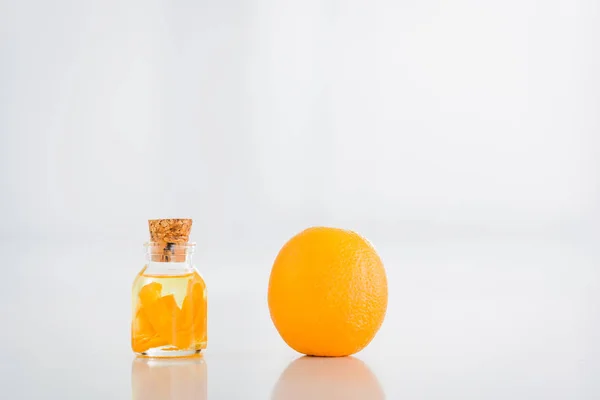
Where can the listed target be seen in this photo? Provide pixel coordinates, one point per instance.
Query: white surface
(459, 136)
(468, 319)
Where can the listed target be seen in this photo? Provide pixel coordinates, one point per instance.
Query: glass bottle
(169, 296)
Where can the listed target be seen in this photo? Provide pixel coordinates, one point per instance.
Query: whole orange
(327, 292)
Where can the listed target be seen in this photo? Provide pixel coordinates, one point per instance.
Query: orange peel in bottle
(169, 295)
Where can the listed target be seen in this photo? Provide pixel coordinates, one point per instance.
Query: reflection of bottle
(318, 378)
(169, 295)
(169, 379)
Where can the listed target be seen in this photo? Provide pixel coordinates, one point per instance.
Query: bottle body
(169, 307)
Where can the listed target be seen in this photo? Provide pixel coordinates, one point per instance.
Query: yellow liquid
(169, 314)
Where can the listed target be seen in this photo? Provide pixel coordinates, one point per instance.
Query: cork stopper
(173, 230)
(169, 239)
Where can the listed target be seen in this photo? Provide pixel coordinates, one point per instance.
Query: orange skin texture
(327, 292)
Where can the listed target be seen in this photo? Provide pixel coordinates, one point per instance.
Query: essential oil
(169, 295)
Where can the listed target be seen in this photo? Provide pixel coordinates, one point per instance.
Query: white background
(460, 137)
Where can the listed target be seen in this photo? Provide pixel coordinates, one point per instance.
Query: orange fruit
(327, 292)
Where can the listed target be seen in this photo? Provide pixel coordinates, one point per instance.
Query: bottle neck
(169, 258)
(170, 252)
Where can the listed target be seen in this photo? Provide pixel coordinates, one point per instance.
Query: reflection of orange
(327, 292)
(317, 378)
(169, 379)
